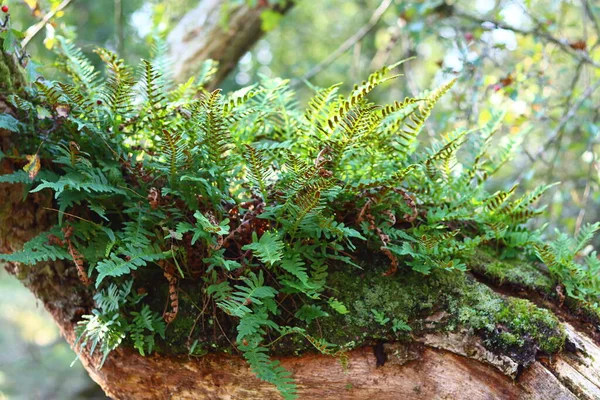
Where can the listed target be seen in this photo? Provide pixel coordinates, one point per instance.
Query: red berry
(99, 102)
(468, 36)
(4, 9)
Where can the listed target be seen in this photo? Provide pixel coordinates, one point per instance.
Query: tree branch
(200, 36)
(351, 41)
(558, 130)
(34, 30)
(562, 43)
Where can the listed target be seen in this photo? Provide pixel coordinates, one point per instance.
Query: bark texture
(201, 35)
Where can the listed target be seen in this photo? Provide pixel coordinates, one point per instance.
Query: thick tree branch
(200, 36)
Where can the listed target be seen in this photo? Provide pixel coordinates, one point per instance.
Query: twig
(38, 27)
(568, 102)
(557, 131)
(383, 54)
(586, 197)
(595, 21)
(563, 44)
(351, 41)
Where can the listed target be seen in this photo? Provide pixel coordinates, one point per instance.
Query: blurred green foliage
(34, 359)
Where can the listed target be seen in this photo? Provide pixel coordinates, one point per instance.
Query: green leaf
(123, 261)
(269, 249)
(308, 313)
(10, 123)
(269, 20)
(337, 306)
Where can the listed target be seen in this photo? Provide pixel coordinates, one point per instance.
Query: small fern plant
(250, 198)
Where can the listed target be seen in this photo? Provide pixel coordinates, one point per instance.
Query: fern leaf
(259, 172)
(270, 371)
(269, 249)
(130, 259)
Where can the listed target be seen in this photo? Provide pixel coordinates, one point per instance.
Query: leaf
(10, 123)
(269, 20)
(269, 249)
(293, 264)
(308, 313)
(337, 306)
(129, 259)
(33, 165)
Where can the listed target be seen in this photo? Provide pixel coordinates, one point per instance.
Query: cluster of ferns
(255, 199)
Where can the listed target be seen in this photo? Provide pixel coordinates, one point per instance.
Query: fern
(269, 248)
(247, 196)
(125, 260)
(237, 305)
(37, 250)
(270, 371)
(259, 173)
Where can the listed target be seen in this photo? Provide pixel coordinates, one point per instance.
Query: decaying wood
(412, 371)
(201, 35)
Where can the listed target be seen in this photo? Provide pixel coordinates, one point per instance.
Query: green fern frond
(116, 93)
(37, 250)
(124, 260)
(585, 235)
(316, 111)
(269, 248)
(270, 371)
(238, 303)
(173, 149)
(78, 66)
(258, 171)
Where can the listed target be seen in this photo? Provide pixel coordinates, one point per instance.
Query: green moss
(521, 274)
(442, 301)
(11, 74)
(515, 272)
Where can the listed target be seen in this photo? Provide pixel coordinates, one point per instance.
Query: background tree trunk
(202, 34)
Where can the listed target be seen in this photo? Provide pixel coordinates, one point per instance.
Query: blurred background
(537, 60)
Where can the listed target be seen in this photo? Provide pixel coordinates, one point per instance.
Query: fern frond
(37, 250)
(237, 304)
(173, 148)
(258, 171)
(123, 261)
(585, 235)
(269, 248)
(418, 118)
(316, 111)
(117, 91)
(78, 66)
(270, 371)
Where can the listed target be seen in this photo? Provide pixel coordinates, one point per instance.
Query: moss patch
(523, 275)
(388, 309)
(518, 273)
(442, 301)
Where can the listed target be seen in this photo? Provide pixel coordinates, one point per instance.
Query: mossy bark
(469, 339)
